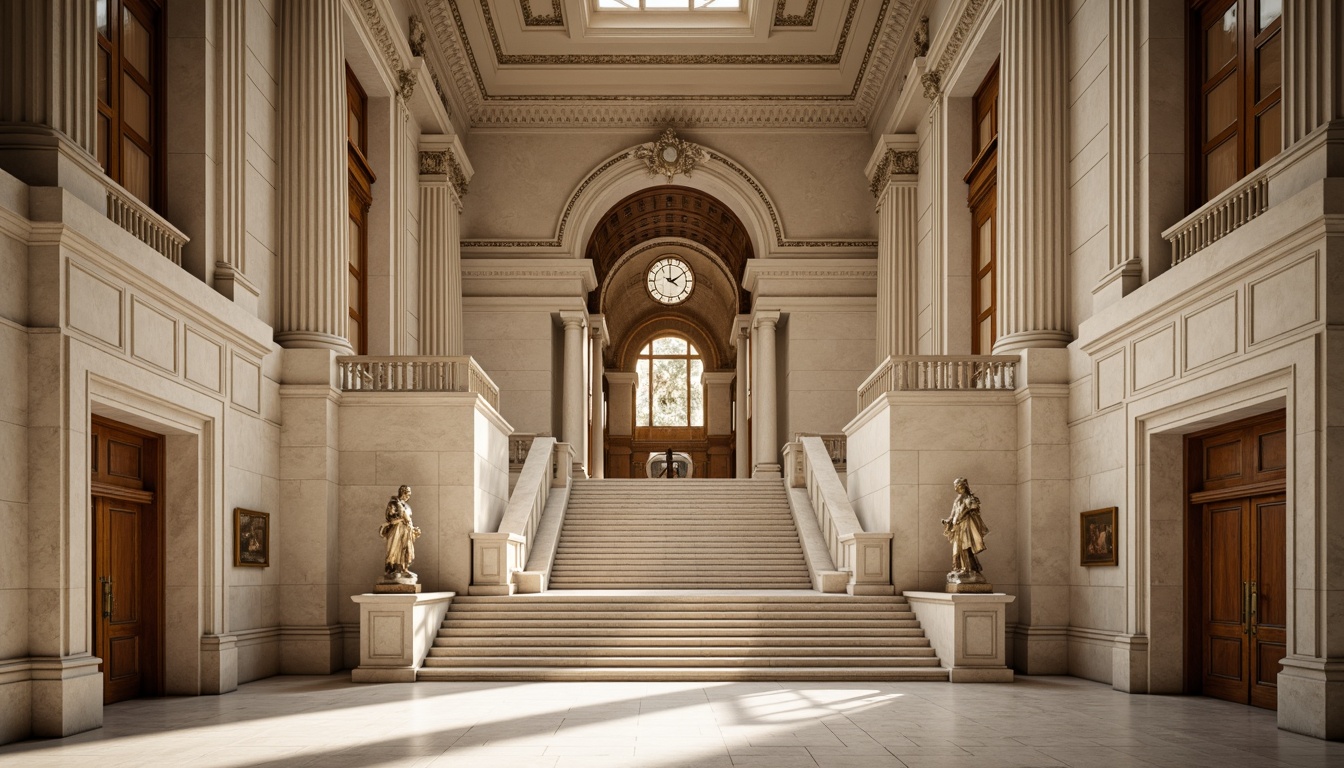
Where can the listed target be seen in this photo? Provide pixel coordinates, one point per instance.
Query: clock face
(670, 280)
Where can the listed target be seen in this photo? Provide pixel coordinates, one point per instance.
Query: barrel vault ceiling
(564, 63)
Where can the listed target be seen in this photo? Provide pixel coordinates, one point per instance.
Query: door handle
(109, 601)
(1255, 607)
(1245, 607)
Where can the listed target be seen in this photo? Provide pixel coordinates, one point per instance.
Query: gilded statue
(966, 531)
(400, 533)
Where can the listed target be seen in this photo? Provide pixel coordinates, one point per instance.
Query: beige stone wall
(524, 179)
(826, 352)
(263, 152)
(517, 346)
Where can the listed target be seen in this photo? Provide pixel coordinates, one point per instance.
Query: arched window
(669, 393)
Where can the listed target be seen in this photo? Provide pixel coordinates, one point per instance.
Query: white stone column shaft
(767, 456)
(440, 260)
(1313, 58)
(741, 426)
(574, 387)
(314, 186)
(597, 335)
(1032, 294)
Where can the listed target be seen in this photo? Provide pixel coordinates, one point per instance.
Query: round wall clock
(670, 280)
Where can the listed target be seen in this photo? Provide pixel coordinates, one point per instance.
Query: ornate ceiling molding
(851, 110)
(373, 18)
(932, 80)
(555, 18)
(734, 168)
(785, 19)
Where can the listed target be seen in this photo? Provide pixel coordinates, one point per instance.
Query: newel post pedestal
(396, 632)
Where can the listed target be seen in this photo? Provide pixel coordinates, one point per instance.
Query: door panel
(1224, 601)
(1269, 610)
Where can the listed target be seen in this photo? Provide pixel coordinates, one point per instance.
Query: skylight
(669, 5)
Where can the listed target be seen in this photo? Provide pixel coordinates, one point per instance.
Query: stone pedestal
(395, 634)
(967, 632)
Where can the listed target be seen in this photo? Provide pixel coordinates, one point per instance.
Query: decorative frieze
(555, 18)
(785, 19)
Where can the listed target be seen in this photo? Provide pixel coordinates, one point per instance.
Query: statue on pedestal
(965, 529)
(400, 533)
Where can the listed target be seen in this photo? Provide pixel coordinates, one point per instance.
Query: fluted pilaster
(741, 335)
(1123, 270)
(440, 259)
(314, 308)
(893, 178)
(1313, 86)
(573, 421)
(49, 48)
(767, 443)
(1032, 294)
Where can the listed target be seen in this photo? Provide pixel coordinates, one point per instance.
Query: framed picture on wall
(251, 538)
(1098, 530)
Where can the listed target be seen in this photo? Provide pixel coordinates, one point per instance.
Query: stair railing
(865, 556)
(496, 556)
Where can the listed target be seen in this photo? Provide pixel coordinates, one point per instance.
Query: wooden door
(1244, 612)
(126, 586)
(1237, 579)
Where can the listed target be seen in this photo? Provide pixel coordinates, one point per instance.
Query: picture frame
(251, 538)
(1098, 533)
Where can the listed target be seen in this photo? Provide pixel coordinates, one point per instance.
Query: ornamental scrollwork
(932, 83)
(406, 81)
(418, 37)
(669, 155)
(922, 37)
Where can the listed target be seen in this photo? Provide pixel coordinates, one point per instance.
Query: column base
(43, 157)
(219, 664)
(314, 340)
(1117, 284)
(234, 285)
(767, 471)
(1010, 344)
(1311, 697)
(67, 696)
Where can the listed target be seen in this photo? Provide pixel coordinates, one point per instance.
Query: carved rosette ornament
(417, 36)
(670, 155)
(894, 163)
(933, 84)
(405, 84)
(442, 163)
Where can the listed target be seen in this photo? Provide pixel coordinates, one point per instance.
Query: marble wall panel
(1210, 333)
(153, 336)
(1284, 301)
(203, 361)
(1154, 358)
(94, 306)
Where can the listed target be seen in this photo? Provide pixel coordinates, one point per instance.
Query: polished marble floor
(329, 722)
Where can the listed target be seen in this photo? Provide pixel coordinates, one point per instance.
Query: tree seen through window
(669, 393)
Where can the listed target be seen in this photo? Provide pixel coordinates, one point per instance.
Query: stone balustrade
(127, 212)
(939, 372)
(835, 446)
(520, 444)
(865, 556)
(1217, 218)
(498, 556)
(404, 373)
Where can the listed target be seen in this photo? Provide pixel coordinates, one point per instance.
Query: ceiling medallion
(670, 155)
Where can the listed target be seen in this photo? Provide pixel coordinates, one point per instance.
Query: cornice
(851, 110)
(932, 80)
(377, 26)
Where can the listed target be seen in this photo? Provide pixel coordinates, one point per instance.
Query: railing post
(562, 465)
(795, 470)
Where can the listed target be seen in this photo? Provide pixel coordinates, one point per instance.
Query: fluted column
(767, 453)
(1032, 296)
(1124, 269)
(574, 387)
(742, 429)
(440, 251)
(1313, 89)
(893, 178)
(598, 340)
(314, 308)
(49, 61)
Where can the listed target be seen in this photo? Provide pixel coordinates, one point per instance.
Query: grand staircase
(679, 534)
(680, 580)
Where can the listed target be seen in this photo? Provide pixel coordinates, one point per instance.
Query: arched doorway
(669, 262)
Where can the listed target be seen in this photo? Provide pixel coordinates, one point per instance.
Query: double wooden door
(1238, 551)
(127, 569)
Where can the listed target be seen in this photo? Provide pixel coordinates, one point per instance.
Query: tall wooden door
(1238, 550)
(127, 569)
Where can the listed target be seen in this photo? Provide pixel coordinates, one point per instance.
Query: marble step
(586, 634)
(726, 597)
(689, 673)
(683, 661)
(520, 604)
(661, 640)
(661, 624)
(680, 651)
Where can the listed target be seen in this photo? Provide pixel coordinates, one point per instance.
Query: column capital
(741, 330)
(597, 330)
(443, 159)
(765, 318)
(718, 378)
(617, 378)
(572, 318)
(895, 159)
